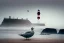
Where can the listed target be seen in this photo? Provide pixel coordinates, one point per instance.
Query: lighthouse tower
(38, 20)
(38, 16)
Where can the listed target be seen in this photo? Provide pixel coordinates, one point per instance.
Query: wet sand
(31, 41)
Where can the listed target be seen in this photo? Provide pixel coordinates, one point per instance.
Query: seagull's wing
(28, 32)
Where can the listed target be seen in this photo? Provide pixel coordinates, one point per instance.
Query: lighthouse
(38, 16)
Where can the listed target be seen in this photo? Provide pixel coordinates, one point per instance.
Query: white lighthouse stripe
(38, 15)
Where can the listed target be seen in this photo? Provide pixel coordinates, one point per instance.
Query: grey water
(13, 32)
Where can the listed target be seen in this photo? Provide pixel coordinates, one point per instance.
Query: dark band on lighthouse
(38, 14)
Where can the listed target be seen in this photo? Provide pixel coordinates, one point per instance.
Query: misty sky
(52, 11)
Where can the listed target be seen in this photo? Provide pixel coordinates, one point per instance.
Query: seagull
(28, 34)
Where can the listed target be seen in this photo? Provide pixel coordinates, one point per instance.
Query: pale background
(52, 11)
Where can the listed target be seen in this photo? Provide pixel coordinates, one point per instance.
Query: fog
(52, 11)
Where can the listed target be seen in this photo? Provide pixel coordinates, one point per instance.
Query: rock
(48, 31)
(61, 31)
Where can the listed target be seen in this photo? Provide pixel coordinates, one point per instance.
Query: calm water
(9, 32)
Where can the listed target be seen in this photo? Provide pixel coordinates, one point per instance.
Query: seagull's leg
(26, 38)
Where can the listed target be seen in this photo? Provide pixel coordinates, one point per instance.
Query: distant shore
(31, 41)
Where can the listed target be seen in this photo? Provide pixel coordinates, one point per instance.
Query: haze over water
(52, 11)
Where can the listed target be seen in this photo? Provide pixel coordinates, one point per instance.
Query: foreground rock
(61, 31)
(48, 31)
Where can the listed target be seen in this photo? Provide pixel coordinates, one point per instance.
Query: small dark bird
(28, 34)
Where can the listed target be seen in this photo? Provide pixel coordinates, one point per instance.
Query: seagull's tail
(21, 34)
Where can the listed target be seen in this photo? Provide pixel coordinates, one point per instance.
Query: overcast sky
(52, 11)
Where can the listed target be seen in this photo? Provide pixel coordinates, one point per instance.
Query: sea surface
(13, 33)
